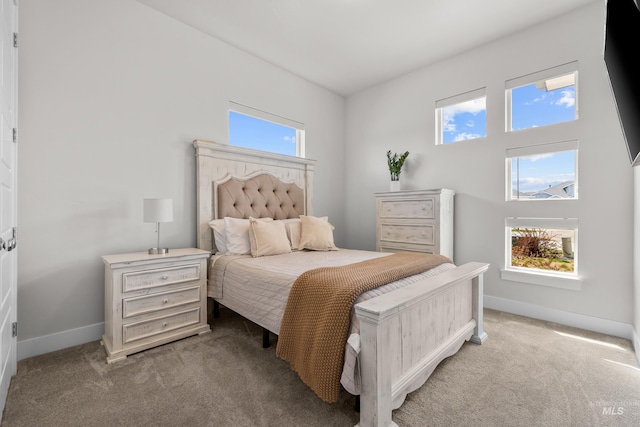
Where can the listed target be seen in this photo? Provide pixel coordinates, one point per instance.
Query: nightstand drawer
(160, 301)
(408, 209)
(159, 277)
(159, 325)
(408, 233)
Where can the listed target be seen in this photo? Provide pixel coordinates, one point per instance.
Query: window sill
(544, 279)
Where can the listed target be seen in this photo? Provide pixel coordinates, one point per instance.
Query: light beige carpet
(528, 373)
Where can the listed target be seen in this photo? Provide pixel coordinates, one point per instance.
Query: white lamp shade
(158, 210)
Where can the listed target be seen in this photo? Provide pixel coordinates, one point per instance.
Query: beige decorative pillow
(294, 228)
(268, 238)
(316, 234)
(237, 233)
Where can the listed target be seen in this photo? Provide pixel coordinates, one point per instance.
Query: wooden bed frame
(404, 334)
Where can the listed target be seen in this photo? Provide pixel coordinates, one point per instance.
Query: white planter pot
(394, 186)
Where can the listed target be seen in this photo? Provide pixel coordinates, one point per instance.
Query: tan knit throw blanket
(317, 317)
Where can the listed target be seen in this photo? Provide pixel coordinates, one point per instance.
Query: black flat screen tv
(622, 59)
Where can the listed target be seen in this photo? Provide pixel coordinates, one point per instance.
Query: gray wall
(112, 93)
(399, 116)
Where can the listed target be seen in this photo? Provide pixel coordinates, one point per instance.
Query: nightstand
(151, 300)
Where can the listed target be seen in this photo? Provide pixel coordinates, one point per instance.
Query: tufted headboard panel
(241, 182)
(259, 197)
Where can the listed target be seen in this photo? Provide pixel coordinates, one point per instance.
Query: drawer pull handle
(164, 324)
(164, 301)
(165, 277)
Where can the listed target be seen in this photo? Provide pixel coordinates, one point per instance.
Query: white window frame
(553, 147)
(548, 74)
(274, 118)
(447, 102)
(554, 279)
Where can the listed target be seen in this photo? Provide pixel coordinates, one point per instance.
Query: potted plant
(395, 163)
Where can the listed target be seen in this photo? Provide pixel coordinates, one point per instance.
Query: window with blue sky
(543, 103)
(461, 117)
(543, 98)
(259, 130)
(542, 172)
(544, 249)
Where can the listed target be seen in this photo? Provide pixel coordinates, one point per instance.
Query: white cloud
(449, 113)
(536, 157)
(568, 99)
(464, 136)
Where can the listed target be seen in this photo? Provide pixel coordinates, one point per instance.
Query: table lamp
(158, 210)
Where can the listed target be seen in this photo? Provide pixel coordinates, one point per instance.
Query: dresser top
(415, 192)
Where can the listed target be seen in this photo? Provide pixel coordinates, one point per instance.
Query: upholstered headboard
(259, 196)
(241, 182)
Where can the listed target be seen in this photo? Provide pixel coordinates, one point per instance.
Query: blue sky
(247, 131)
(544, 170)
(467, 120)
(532, 107)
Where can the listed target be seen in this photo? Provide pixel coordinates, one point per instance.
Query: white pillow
(237, 233)
(219, 236)
(268, 238)
(316, 234)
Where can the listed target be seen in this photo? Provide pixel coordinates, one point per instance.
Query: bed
(398, 332)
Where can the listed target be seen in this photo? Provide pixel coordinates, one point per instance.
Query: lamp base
(158, 251)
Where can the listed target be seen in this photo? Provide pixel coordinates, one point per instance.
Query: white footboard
(405, 334)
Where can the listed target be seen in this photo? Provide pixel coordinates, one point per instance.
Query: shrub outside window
(543, 246)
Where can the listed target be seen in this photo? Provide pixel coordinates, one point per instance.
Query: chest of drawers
(153, 299)
(415, 221)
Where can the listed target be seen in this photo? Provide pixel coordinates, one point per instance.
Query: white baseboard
(590, 323)
(58, 341)
(41, 345)
(636, 345)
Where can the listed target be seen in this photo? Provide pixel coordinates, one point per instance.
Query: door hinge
(14, 329)
(15, 134)
(13, 241)
(15, 39)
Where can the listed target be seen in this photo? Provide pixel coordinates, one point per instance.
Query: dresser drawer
(424, 208)
(408, 233)
(159, 301)
(159, 277)
(159, 325)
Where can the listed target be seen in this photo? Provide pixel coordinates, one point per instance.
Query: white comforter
(258, 288)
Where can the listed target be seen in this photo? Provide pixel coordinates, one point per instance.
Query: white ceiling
(346, 46)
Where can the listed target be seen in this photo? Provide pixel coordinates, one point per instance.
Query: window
(543, 98)
(542, 250)
(542, 172)
(461, 117)
(264, 131)
(544, 246)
